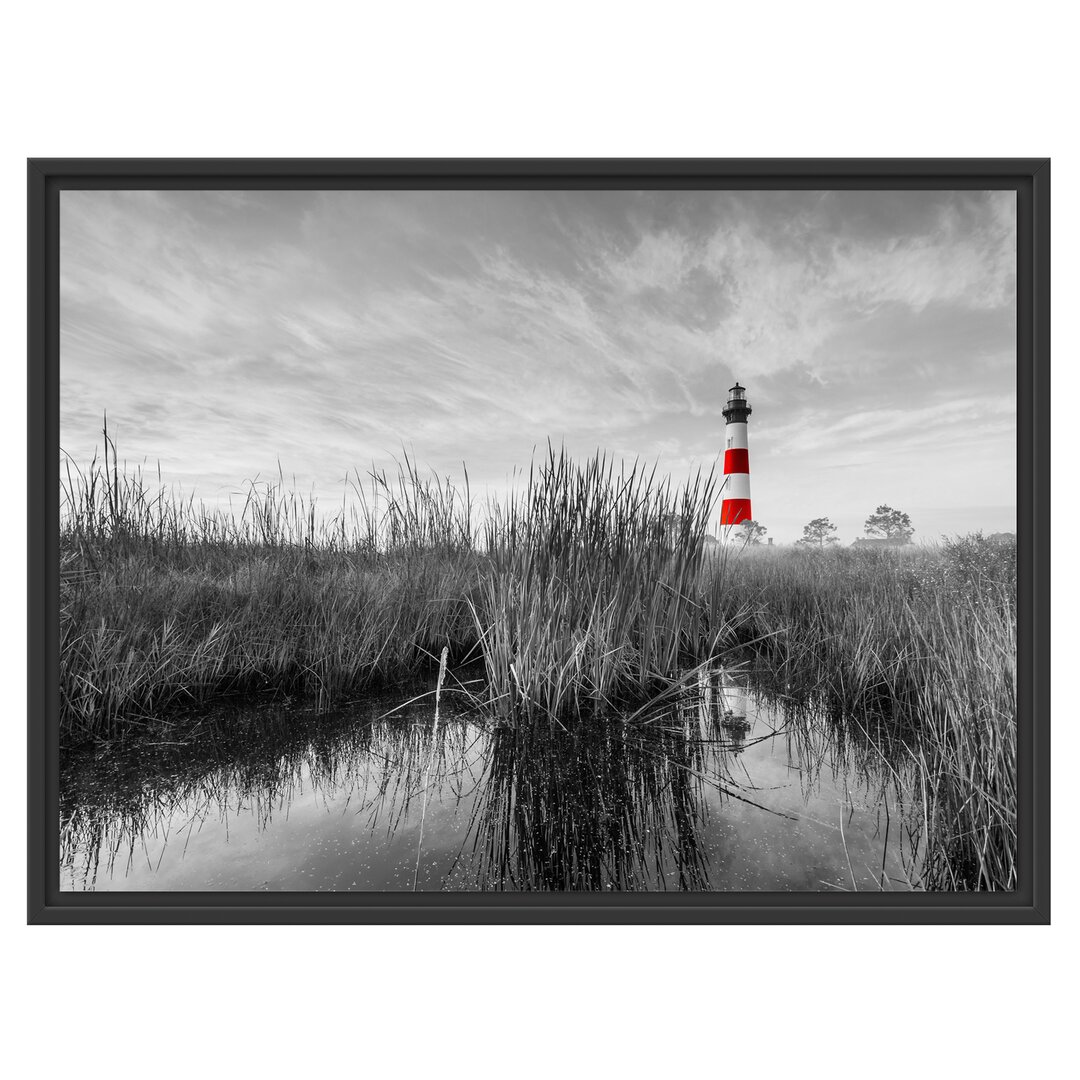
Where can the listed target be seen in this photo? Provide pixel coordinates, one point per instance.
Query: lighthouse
(736, 505)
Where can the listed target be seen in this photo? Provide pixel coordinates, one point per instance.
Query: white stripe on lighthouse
(737, 486)
(736, 437)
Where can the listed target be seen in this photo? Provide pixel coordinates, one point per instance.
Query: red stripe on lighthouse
(736, 461)
(734, 510)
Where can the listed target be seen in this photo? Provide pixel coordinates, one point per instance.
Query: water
(694, 798)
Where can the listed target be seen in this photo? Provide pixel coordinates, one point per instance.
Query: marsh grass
(164, 603)
(915, 648)
(590, 593)
(578, 594)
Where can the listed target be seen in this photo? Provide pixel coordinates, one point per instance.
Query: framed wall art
(538, 541)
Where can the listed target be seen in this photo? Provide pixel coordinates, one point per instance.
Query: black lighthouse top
(738, 408)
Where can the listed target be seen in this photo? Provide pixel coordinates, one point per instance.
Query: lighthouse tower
(736, 505)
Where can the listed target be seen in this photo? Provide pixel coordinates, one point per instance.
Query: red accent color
(732, 511)
(736, 461)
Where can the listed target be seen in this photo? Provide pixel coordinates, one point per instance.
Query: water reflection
(720, 790)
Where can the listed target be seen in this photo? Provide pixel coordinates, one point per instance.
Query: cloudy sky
(224, 332)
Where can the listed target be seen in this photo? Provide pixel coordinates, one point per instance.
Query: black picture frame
(1029, 177)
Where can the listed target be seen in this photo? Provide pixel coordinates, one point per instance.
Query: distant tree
(749, 532)
(891, 524)
(818, 533)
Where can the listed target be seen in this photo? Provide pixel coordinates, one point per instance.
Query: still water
(722, 791)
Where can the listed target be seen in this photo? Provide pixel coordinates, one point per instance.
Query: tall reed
(589, 595)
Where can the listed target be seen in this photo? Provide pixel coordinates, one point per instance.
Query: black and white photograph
(549, 540)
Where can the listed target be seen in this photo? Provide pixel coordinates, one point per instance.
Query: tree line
(884, 523)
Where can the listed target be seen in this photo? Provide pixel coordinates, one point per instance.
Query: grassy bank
(578, 594)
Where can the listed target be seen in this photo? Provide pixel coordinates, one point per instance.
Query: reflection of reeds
(605, 806)
(379, 769)
(427, 771)
(595, 811)
(600, 808)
